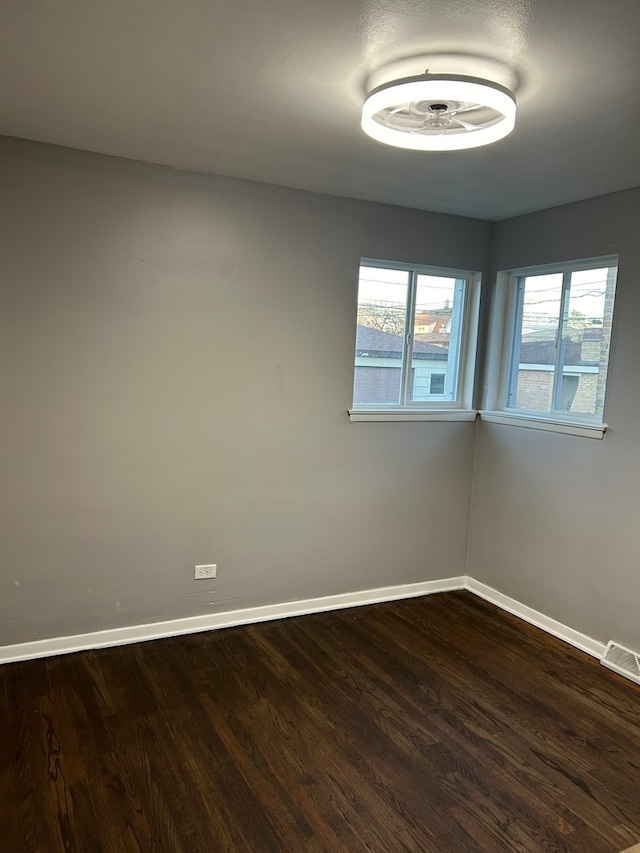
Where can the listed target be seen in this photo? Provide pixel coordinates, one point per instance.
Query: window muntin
(560, 342)
(410, 329)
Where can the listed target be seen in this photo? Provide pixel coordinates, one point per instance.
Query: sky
(542, 293)
(390, 287)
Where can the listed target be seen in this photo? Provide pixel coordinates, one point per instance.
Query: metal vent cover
(623, 661)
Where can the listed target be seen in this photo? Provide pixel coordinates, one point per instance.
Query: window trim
(459, 409)
(391, 414)
(535, 421)
(500, 353)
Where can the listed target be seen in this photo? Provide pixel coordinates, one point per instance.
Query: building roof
(544, 352)
(378, 344)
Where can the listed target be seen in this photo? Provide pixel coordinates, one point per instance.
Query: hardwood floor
(438, 724)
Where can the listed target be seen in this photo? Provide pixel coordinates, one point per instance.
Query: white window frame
(459, 409)
(501, 352)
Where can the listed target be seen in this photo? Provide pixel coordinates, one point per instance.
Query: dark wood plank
(434, 725)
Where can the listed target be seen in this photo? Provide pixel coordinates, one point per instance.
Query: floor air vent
(623, 661)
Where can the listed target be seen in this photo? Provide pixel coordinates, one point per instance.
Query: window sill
(405, 414)
(585, 430)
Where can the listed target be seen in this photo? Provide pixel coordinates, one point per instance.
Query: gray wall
(176, 364)
(556, 518)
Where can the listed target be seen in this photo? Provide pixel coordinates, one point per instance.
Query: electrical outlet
(204, 572)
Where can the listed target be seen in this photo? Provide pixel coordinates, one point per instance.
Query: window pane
(382, 308)
(436, 385)
(534, 357)
(585, 341)
(436, 337)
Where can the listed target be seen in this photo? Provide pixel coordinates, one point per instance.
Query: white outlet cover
(205, 572)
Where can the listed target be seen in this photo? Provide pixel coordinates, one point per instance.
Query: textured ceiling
(271, 90)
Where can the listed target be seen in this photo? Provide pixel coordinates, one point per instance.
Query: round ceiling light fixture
(439, 112)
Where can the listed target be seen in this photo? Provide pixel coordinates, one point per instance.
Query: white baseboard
(213, 621)
(534, 617)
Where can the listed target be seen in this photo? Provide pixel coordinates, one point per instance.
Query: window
(436, 384)
(415, 340)
(558, 335)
